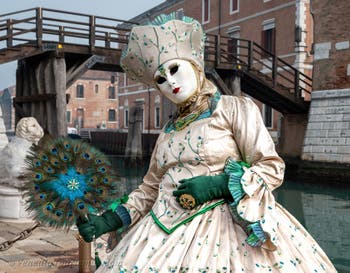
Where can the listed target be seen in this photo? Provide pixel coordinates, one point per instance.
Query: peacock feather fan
(67, 179)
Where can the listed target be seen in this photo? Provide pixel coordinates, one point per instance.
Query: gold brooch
(187, 201)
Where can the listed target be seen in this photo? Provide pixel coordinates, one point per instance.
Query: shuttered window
(205, 11)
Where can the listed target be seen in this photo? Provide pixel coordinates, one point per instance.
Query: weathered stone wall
(328, 131)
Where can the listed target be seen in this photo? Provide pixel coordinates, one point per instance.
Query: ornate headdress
(166, 38)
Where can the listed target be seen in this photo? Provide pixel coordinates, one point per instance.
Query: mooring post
(84, 255)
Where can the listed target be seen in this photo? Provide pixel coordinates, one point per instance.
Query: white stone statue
(12, 156)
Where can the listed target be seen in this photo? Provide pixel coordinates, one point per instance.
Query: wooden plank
(9, 42)
(39, 26)
(39, 107)
(81, 69)
(19, 112)
(92, 33)
(34, 98)
(219, 81)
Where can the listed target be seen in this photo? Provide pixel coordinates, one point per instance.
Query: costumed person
(206, 202)
(13, 166)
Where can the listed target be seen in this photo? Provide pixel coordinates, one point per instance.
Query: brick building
(149, 99)
(93, 101)
(328, 132)
(282, 27)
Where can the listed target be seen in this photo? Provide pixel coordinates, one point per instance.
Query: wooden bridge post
(61, 35)
(217, 50)
(39, 26)
(250, 55)
(107, 40)
(133, 149)
(92, 33)
(274, 70)
(9, 41)
(296, 84)
(292, 132)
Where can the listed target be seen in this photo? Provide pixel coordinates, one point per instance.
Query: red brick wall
(95, 105)
(331, 20)
(133, 92)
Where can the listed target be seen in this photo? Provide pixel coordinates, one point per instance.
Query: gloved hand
(202, 189)
(98, 225)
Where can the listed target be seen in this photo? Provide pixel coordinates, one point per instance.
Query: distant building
(93, 101)
(282, 27)
(8, 113)
(132, 93)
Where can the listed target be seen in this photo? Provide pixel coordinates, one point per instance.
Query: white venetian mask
(177, 80)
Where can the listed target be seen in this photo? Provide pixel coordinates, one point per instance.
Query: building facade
(281, 27)
(133, 93)
(327, 136)
(93, 101)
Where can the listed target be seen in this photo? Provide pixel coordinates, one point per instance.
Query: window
(267, 114)
(268, 40)
(234, 6)
(126, 117)
(268, 37)
(233, 44)
(69, 117)
(80, 91)
(96, 88)
(111, 92)
(205, 11)
(80, 118)
(111, 115)
(157, 117)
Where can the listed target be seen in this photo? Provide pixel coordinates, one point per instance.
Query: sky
(118, 9)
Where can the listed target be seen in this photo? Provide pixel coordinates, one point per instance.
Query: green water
(324, 210)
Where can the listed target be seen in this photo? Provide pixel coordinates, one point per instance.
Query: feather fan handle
(67, 179)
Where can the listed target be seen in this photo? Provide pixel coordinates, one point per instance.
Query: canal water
(324, 210)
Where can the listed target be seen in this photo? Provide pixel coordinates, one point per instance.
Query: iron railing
(250, 57)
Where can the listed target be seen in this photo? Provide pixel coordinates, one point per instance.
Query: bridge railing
(247, 55)
(46, 28)
(38, 25)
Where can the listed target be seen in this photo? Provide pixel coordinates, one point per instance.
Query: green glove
(202, 189)
(98, 225)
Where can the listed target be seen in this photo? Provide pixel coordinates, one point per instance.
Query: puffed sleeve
(264, 171)
(141, 200)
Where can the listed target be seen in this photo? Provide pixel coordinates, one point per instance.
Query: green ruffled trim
(234, 169)
(257, 236)
(164, 18)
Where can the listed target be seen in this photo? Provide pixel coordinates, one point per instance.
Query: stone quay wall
(327, 136)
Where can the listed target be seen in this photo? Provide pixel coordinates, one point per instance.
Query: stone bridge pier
(292, 133)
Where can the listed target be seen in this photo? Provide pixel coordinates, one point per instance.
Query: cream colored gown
(162, 236)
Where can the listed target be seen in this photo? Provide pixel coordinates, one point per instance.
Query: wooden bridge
(54, 48)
